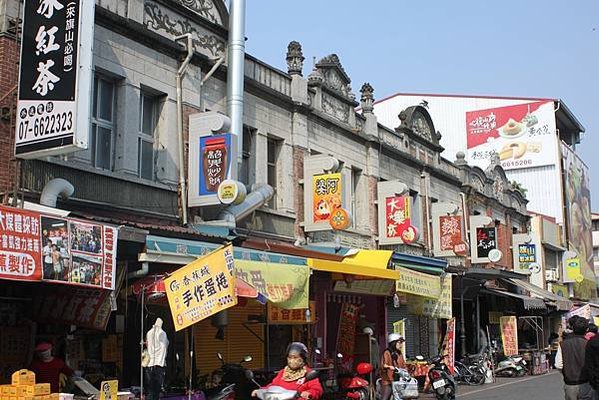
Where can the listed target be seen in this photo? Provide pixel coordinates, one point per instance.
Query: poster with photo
(55, 250)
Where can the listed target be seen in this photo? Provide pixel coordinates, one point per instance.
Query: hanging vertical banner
(486, 240)
(400, 328)
(449, 344)
(509, 335)
(327, 193)
(451, 231)
(54, 77)
(202, 288)
(346, 337)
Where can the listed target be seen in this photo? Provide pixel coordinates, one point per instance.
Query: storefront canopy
(550, 298)
(529, 303)
(371, 264)
(427, 265)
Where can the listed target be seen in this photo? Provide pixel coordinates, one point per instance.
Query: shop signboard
(560, 290)
(285, 285)
(577, 198)
(327, 195)
(398, 219)
(572, 270)
(298, 316)
(449, 344)
(523, 135)
(440, 307)
(486, 240)
(55, 78)
(109, 390)
(399, 327)
(346, 336)
(202, 288)
(494, 317)
(418, 283)
(451, 231)
(35, 246)
(372, 287)
(527, 255)
(509, 335)
(214, 162)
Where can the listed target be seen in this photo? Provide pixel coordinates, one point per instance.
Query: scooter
(233, 376)
(354, 386)
(277, 392)
(510, 367)
(403, 387)
(443, 383)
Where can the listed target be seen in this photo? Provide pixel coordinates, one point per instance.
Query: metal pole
(462, 324)
(190, 362)
(477, 322)
(141, 343)
(235, 72)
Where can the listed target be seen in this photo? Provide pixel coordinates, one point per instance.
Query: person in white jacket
(157, 345)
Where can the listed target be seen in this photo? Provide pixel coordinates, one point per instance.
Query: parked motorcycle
(511, 366)
(234, 376)
(277, 392)
(354, 385)
(443, 383)
(403, 387)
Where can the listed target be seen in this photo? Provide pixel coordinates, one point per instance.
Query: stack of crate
(23, 387)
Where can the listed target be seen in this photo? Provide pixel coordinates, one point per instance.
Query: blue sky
(532, 48)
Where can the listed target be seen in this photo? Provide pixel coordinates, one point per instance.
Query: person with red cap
(48, 368)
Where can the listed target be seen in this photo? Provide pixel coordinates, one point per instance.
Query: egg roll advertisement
(522, 135)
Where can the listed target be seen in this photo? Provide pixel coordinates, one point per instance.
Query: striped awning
(529, 303)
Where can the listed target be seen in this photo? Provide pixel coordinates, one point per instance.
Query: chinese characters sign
(527, 254)
(523, 135)
(285, 285)
(35, 247)
(214, 163)
(418, 283)
(509, 335)
(202, 288)
(451, 231)
(399, 327)
(486, 240)
(398, 219)
(281, 316)
(55, 66)
(327, 193)
(440, 307)
(347, 330)
(449, 344)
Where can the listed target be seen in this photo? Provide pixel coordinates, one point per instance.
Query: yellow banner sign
(418, 283)
(440, 307)
(509, 335)
(494, 317)
(202, 288)
(327, 196)
(109, 390)
(400, 327)
(573, 270)
(281, 316)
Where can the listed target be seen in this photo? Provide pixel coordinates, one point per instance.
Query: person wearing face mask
(48, 368)
(293, 376)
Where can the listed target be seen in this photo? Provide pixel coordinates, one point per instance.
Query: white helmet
(368, 330)
(394, 337)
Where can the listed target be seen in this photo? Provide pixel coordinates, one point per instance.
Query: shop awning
(362, 263)
(428, 265)
(550, 298)
(166, 250)
(529, 303)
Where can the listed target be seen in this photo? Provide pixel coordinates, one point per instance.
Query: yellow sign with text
(202, 288)
(438, 308)
(418, 283)
(298, 316)
(327, 192)
(109, 390)
(400, 328)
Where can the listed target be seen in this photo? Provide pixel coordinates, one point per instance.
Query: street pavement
(546, 387)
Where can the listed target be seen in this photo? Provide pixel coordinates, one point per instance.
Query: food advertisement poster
(451, 231)
(522, 135)
(486, 240)
(215, 162)
(35, 247)
(509, 335)
(398, 219)
(202, 288)
(449, 344)
(578, 214)
(327, 194)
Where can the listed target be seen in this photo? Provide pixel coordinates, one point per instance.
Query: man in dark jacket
(570, 359)
(592, 364)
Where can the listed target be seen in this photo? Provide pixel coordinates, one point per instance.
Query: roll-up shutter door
(421, 332)
(238, 341)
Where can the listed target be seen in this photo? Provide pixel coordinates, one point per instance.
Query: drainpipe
(181, 140)
(259, 196)
(207, 76)
(53, 189)
(235, 71)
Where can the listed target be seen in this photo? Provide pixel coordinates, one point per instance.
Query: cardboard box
(8, 390)
(41, 389)
(23, 377)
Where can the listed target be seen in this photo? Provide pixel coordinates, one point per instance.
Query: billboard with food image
(578, 214)
(523, 135)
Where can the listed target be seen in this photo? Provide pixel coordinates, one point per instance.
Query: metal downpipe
(54, 188)
(235, 71)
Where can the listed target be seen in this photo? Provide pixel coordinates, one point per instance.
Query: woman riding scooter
(293, 376)
(392, 358)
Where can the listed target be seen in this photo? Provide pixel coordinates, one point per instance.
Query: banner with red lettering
(37, 247)
(449, 344)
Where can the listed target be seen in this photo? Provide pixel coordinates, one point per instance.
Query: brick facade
(9, 56)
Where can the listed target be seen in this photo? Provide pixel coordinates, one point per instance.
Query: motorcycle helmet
(300, 348)
(394, 337)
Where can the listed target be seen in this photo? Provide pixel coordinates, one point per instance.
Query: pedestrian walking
(591, 364)
(570, 359)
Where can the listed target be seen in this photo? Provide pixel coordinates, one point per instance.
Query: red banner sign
(398, 219)
(451, 231)
(35, 247)
(346, 336)
(449, 344)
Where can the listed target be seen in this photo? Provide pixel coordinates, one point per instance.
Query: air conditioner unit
(551, 275)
